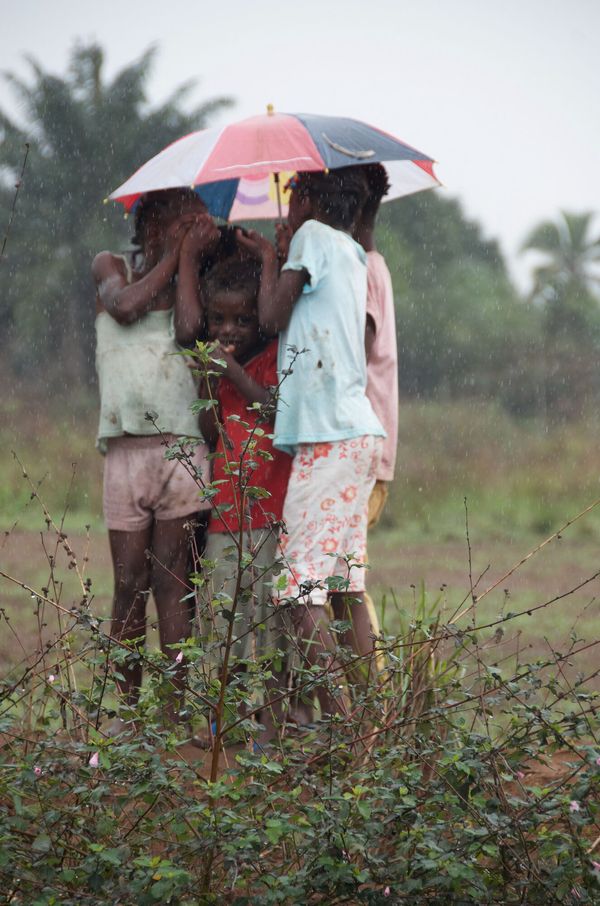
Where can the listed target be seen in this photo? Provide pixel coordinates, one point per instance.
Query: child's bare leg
(312, 625)
(271, 715)
(170, 553)
(351, 607)
(132, 584)
(302, 711)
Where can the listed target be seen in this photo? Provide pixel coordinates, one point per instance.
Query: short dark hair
(338, 194)
(151, 204)
(233, 275)
(378, 185)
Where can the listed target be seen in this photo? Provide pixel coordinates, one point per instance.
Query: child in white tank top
(146, 390)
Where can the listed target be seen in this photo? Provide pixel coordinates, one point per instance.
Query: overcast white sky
(505, 95)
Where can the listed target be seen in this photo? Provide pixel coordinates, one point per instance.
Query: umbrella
(238, 170)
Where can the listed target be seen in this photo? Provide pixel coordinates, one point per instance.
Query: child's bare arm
(201, 238)
(283, 237)
(248, 387)
(127, 302)
(369, 336)
(278, 292)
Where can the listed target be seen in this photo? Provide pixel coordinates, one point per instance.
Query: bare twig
(18, 185)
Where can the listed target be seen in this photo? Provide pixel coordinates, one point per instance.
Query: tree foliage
(462, 328)
(566, 279)
(570, 253)
(565, 289)
(86, 135)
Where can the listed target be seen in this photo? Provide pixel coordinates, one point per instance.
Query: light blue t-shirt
(324, 397)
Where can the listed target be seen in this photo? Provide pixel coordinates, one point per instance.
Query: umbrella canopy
(238, 170)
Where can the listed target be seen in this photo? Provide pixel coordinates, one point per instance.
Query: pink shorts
(140, 485)
(325, 512)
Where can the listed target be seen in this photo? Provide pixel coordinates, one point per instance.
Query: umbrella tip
(105, 200)
(270, 109)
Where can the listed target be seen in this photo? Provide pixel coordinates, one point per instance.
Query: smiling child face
(232, 319)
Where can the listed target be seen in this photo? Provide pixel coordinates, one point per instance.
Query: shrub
(459, 774)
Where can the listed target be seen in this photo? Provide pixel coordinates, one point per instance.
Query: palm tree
(570, 255)
(565, 283)
(86, 135)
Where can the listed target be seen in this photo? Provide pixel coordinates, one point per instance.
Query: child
(382, 355)
(141, 316)
(248, 376)
(324, 417)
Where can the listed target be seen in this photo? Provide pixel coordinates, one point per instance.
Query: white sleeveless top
(139, 372)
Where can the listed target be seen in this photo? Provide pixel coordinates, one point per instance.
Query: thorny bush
(431, 790)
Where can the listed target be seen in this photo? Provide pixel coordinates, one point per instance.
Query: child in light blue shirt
(324, 397)
(319, 306)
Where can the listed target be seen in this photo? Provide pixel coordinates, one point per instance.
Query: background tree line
(463, 329)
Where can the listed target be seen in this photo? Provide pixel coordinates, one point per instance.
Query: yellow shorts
(377, 502)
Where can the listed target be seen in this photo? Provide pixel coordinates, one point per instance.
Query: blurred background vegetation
(499, 392)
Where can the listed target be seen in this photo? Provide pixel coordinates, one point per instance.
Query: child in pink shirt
(382, 353)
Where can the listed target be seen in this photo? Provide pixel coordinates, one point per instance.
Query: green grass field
(522, 481)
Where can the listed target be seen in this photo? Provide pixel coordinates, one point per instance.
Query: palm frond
(202, 114)
(545, 237)
(23, 92)
(577, 226)
(129, 83)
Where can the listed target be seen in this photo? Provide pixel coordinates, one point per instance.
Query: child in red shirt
(244, 459)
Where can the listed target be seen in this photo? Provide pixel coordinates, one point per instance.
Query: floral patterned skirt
(325, 514)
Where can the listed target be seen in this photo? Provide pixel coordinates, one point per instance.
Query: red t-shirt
(270, 474)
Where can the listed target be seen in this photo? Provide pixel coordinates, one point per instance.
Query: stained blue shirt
(324, 397)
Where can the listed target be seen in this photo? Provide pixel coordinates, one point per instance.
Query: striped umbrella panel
(235, 169)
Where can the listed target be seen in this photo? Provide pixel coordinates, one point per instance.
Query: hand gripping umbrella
(238, 169)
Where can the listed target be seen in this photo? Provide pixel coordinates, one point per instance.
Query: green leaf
(257, 493)
(364, 809)
(42, 843)
(202, 405)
